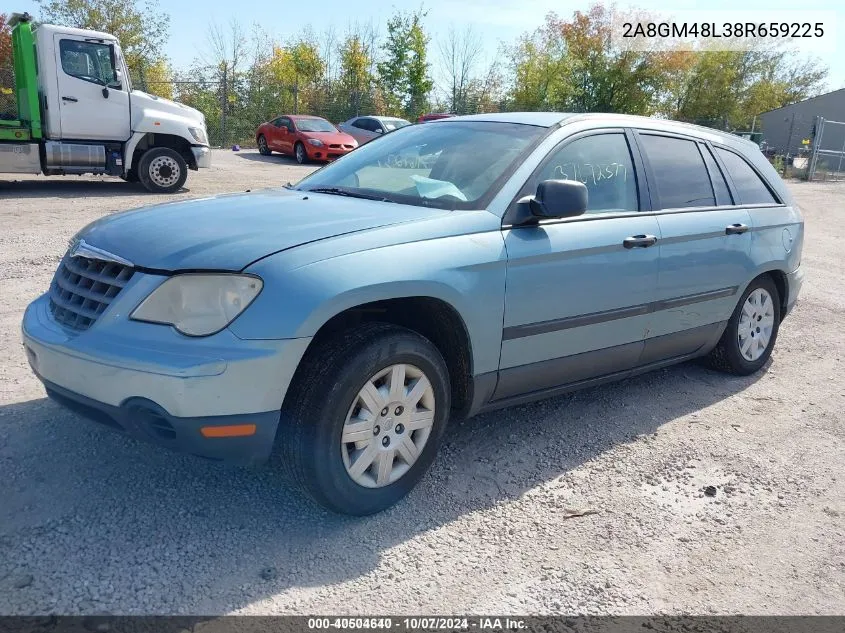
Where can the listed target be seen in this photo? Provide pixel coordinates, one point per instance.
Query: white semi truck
(77, 113)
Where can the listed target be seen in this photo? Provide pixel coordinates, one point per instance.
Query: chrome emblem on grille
(80, 248)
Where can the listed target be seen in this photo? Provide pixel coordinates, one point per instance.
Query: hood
(151, 103)
(330, 137)
(229, 232)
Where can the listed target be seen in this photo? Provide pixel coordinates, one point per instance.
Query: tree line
(245, 75)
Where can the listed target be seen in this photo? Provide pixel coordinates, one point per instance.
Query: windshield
(450, 165)
(394, 124)
(314, 125)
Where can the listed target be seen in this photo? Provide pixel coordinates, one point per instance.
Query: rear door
(93, 102)
(705, 246)
(776, 237)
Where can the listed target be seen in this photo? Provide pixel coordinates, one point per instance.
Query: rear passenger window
(749, 186)
(603, 163)
(720, 187)
(678, 168)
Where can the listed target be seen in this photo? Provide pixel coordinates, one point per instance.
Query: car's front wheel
(752, 330)
(300, 154)
(364, 418)
(263, 148)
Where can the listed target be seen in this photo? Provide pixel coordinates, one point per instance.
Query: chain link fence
(827, 154)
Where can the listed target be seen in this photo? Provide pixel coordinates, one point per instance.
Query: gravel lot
(92, 522)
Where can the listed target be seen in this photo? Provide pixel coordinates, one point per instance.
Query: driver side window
(88, 61)
(603, 163)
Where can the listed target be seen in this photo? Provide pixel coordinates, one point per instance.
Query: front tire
(300, 154)
(162, 170)
(752, 330)
(364, 418)
(263, 148)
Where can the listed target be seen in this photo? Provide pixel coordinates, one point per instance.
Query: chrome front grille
(83, 288)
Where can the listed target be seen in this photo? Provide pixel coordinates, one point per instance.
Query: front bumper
(157, 385)
(325, 152)
(202, 156)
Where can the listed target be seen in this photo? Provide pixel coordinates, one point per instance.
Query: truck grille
(83, 288)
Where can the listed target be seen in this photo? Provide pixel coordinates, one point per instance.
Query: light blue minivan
(445, 269)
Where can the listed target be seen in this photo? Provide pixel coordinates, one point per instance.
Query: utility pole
(224, 102)
(788, 143)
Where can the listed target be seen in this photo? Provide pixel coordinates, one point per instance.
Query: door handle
(736, 229)
(74, 99)
(639, 241)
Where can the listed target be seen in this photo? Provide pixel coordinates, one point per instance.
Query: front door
(579, 290)
(705, 249)
(94, 103)
(287, 136)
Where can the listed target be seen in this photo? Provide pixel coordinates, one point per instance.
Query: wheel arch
(780, 279)
(142, 141)
(431, 317)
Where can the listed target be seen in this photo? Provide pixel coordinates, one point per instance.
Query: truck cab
(78, 113)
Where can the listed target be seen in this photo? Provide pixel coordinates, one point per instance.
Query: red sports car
(303, 137)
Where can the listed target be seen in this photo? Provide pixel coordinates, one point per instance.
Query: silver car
(366, 128)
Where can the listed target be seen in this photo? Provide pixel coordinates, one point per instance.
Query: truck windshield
(449, 165)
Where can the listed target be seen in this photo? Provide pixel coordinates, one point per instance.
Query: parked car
(434, 117)
(334, 327)
(304, 137)
(366, 128)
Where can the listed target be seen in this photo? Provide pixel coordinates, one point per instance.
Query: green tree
(404, 72)
(142, 29)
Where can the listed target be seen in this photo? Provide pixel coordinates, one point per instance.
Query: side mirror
(559, 199)
(378, 130)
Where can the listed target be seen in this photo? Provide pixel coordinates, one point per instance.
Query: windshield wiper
(337, 191)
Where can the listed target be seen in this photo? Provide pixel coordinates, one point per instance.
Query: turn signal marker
(235, 430)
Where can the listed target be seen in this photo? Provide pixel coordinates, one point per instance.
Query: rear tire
(263, 148)
(327, 425)
(162, 170)
(752, 330)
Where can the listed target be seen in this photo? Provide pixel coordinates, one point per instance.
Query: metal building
(785, 129)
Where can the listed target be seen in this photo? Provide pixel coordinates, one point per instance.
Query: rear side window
(678, 168)
(720, 187)
(749, 186)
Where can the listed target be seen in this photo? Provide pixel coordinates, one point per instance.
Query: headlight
(199, 304)
(199, 135)
(316, 142)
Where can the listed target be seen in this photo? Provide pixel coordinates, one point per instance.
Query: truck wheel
(263, 148)
(752, 330)
(364, 418)
(162, 170)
